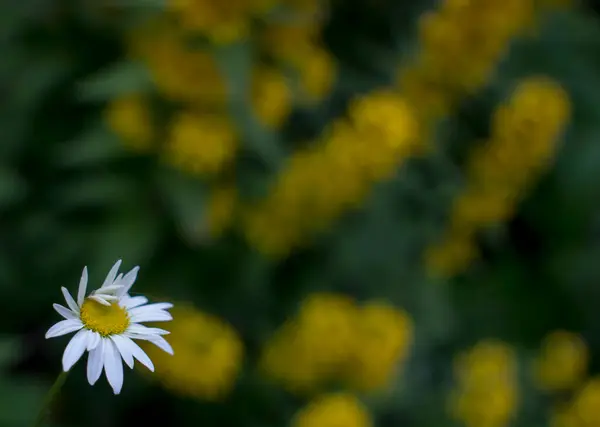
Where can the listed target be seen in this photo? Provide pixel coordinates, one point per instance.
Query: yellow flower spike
(383, 339)
(311, 350)
(179, 72)
(222, 22)
(387, 122)
(290, 360)
(130, 118)
(388, 116)
(562, 362)
(487, 167)
(208, 356)
(586, 403)
(486, 392)
(537, 111)
(289, 43)
(474, 209)
(201, 143)
(428, 97)
(318, 72)
(460, 44)
(563, 416)
(525, 131)
(271, 97)
(333, 410)
(451, 255)
(322, 182)
(326, 323)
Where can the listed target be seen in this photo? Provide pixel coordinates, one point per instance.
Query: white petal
(151, 316)
(135, 328)
(129, 279)
(139, 354)
(132, 302)
(95, 363)
(122, 345)
(82, 286)
(118, 279)
(93, 340)
(64, 327)
(69, 299)
(109, 289)
(107, 297)
(65, 312)
(113, 366)
(110, 277)
(162, 343)
(99, 300)
(75, 349)
(155, 306)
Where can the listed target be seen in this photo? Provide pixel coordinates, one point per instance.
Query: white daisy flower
(107, 322)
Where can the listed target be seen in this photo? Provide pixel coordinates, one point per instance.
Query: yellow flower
(222, 22)
(451, 255)
(130, 118)
(312, 349)
(479, 208)
(179, 72)
(318, 72)
(388, 130)
(536, 112)
(201, 143)
(460, 44)
(381, 345)
(488, 362)
(425, 93)
(488, 166)
(207, 357)
(525, 132)
(290, 43)
(486, 394)
(334, 174)
(489, 408)
(332, 340)
(563, 416)
(586, 404)
(271, 97)
(333, 410)
(326, 323)
(562, 361)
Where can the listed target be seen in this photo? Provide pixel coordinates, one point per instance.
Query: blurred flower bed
(365, 212)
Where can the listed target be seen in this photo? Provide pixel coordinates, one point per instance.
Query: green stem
(49, 399)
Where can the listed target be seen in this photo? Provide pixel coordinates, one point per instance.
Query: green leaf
(12, 187)
(95, 145)
(133, 237)
(185, 198)
(122, 78)
(20, 398)
(103, 189)
(9, 349)
(19, 403)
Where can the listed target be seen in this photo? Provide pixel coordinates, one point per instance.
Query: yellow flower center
(106, 320)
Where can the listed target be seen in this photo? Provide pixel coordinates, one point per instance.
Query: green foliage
(21, 396)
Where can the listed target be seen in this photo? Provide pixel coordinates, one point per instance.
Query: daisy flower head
(106, 322)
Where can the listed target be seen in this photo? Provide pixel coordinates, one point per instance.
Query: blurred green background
(367, 213)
